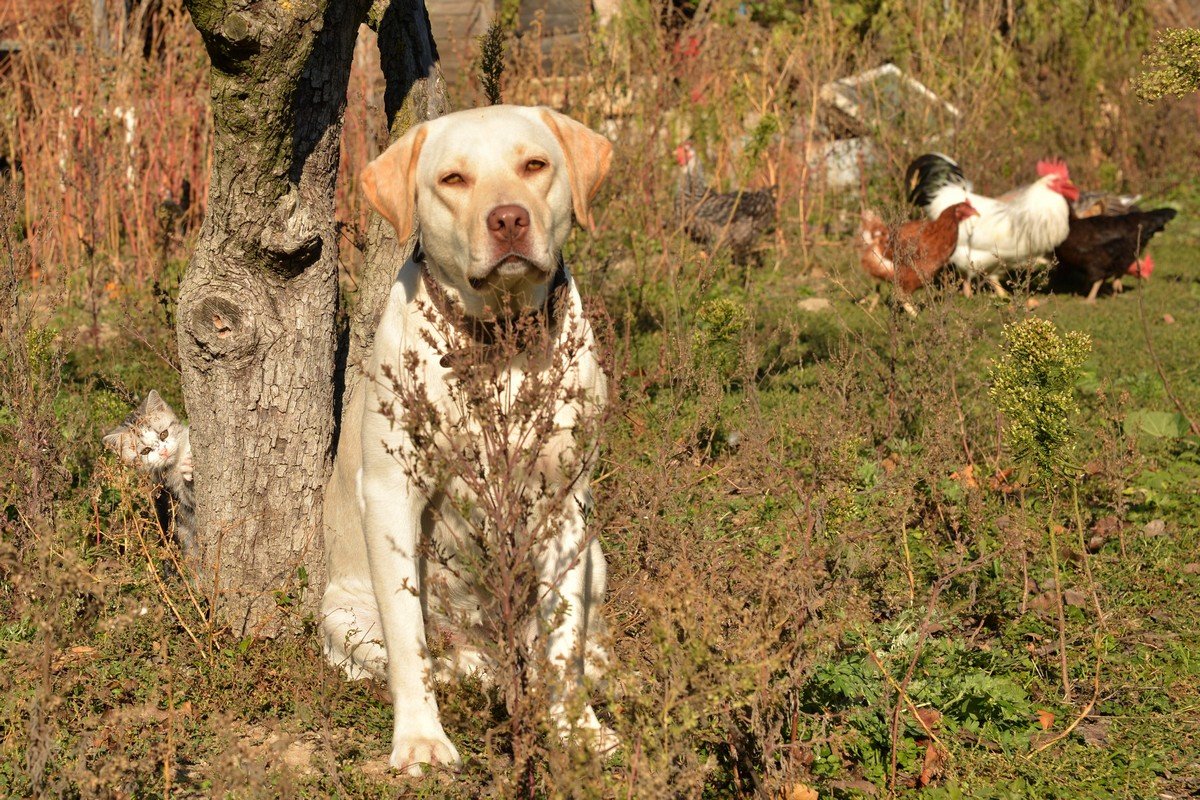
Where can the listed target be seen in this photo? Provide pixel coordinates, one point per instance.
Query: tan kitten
(153, 440)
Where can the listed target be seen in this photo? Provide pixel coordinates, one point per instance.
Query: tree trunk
(257, 307)
(415, 93)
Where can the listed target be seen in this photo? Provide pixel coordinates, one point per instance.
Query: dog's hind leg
(352, 636)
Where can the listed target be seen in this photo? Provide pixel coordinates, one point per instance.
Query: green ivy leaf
(1159, 424)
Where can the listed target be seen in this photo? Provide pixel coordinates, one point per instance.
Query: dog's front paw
(601, 740)
(410, 752)
(588, 730)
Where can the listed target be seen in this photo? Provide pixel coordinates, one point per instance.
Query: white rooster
(1016, 227)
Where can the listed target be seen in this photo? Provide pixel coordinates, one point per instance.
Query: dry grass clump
(109, 128)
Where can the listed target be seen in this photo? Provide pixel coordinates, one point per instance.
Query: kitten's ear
(153, 401)
(112, 440)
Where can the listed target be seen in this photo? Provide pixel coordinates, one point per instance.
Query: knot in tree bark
(291, 238)
(224, 331)
(231, 39)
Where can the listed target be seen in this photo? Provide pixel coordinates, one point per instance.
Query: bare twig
(1087, 709)
(1062, 619)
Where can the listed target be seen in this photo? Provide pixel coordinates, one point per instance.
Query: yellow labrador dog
(492, 193)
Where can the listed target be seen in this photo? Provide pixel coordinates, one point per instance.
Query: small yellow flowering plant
(1033, 385)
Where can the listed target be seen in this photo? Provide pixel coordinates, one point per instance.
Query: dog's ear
(589, 156)
(390, 181)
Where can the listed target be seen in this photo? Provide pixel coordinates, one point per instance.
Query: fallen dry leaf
(999, 481)
(1168, 319)
(932, 766)
(929, 716)
(1045, 719)
(1074, 598)
(800, 791)
(1045, 601)
(966, 476)
(71, 656)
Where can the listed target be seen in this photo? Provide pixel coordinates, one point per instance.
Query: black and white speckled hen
(736, 220)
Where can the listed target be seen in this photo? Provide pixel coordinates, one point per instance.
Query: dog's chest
(502, 442)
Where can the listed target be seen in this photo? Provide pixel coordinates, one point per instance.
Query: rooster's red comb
(1054, 167)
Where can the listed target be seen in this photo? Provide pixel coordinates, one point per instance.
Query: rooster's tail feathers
(929, 173)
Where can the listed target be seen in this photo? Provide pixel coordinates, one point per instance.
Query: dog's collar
(490, 332)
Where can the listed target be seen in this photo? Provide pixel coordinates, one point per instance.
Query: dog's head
(492, 192)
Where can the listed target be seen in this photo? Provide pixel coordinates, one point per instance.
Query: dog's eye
(453, 179)
(535, 165)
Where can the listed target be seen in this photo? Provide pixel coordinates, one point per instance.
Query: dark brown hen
(1100, 248)
(736, 220)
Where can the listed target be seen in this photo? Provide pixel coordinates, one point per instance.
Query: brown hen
(910, 256)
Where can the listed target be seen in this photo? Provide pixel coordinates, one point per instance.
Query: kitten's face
(148, 439)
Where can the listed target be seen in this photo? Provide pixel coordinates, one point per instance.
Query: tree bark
(415, 92)
(258, 303)
(257, 307)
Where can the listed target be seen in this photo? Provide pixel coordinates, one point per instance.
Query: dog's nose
(508, 224)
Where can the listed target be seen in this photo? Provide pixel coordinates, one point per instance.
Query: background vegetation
(830, 573)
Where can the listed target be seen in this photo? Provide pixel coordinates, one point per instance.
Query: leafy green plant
(717, 340)
(957, 688)
(1034, 386)
(1159, 424)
